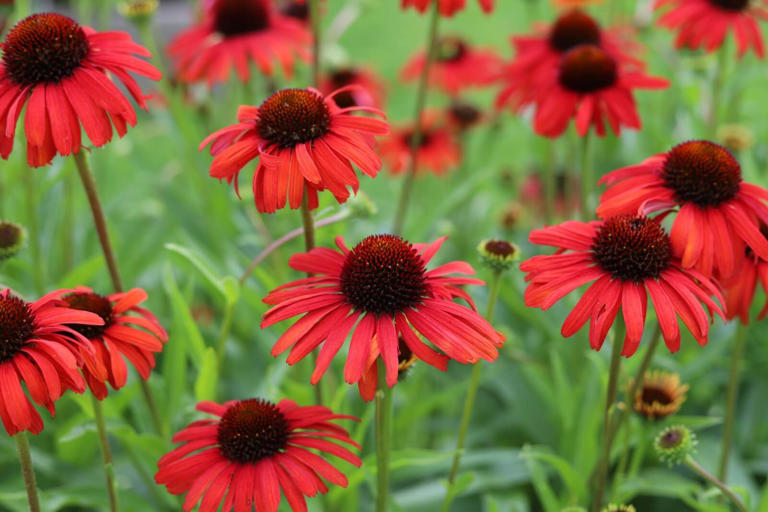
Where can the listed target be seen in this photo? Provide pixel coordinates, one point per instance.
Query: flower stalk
(106, 454)
(383, 437)
(587, 179)
(731, 398)
(421, 101)
(27, 470)
(469, 402)
(706, 475)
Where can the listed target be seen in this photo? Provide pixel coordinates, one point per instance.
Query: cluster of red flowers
(379, 294)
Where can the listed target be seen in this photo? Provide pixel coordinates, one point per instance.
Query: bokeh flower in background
(370, 93)
(659, 395)
(236, 34)
(438, 149)
(706, 23)
(254, 451)
(717, 212)
(303, 142)
(12, 239)
(129, 331)
(457, 66)
(379, 290)
(61, 72)
(39, 349)
(626, 258)
(446, 7)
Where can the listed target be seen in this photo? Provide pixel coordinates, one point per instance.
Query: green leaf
(206, 271)
(189, 334)
(460, 485)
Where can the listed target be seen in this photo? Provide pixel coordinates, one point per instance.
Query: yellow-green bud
(674, 444)
(619, 508)
(138, 10)
(12, 238)
(498, 254)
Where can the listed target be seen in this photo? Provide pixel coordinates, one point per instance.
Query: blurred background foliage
(534, 438)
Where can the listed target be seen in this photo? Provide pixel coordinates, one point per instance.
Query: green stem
(706, 475)
(383, 437)
(22, 446)
(314, 16)
(224, 334)
(717, 90)
(30, 190)
(106, 454)
(549, 184)
(731, 398)
(587, 185)
(309, 244)
(610, 400)
(421, 101)
(100, 222)
(469, 403)
(68, 221)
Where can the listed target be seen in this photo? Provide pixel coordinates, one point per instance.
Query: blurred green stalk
(106, 454)
(469, 403)
(619, 330)
(731, 398)
(421, 101)
(22, 446)
(383, 437)
(587, 179)
(695, 466)
(30, 190)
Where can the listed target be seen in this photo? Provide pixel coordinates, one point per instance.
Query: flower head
(253, 451)
(674, 444)
(379, 290)
(129, 331)
(447, 7)
(538, 55)
(463, 115)
(234, 33)
(625, 257)
(659, 395)
(12, 239)
(717, 212)
(62, 72)
(591, 86)
(458, 66)
(138, 10)
(37, 348)
(706, 23)
(438, 149)
(303, 142)
(619, 508)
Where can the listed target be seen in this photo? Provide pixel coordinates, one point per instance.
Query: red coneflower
(706, 23)
(37, 348)
(624, 256)
(301, 138)
(739, 290)
(134, 336)
(234, 33)
(61, 70)
(254, 451)
(369, 93)
(381, 288)
(447, 7)
(543, 50)
(718, 213)
(438, 148)
(457, 66)
(366, 386)
(593, 87)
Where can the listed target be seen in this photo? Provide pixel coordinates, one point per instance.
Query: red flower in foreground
(706, 23)
(457, 66)
(369, 93)
(379, 290)
(447, 7)
(622, 257)
(60, 71)
(438, 150)
(301, 138)
(592, 87)
(134, 336)
(234, 33)
(542, 51)
(252, 452)
(718, 213)
(38, 349)
(366, 386)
